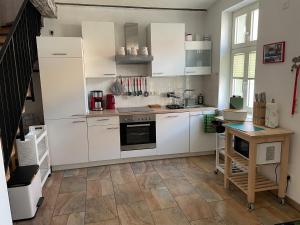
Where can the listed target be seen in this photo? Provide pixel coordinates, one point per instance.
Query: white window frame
(246, 48)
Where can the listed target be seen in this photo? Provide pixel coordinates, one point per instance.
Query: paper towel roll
(272, 115)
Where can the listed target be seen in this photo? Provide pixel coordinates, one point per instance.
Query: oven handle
(140, 125)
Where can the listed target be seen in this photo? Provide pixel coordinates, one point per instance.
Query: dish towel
(208, 126)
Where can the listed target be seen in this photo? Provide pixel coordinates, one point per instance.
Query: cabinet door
(104, 142)
(63, 87)
(99, 49)
(200, 141)
(167, 48)
(59, 47)
(172, 133)
(68, 141)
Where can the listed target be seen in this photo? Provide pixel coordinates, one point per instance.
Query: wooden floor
(163, 192)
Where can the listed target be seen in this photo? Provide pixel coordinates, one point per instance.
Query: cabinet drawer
(103, 121)
(59, 47)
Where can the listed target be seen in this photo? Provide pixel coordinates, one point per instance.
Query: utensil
(140, 81)
(134, 91)
(128, 87)
(137, 86)
(146, 93)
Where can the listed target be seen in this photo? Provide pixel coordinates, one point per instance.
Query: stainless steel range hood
(131, 31)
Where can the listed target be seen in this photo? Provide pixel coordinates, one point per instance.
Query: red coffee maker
(96, 100)
(110, 101)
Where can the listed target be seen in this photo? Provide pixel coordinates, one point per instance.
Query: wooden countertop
(163, 110)
(261, 133)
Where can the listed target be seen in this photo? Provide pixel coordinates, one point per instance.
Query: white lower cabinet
(68, 141)
(104, 139)
(199, 140)
(172, 133)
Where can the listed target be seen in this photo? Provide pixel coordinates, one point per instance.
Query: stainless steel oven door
(138, 135)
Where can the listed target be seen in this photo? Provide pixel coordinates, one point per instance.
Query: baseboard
(128, 160)
(289, 201)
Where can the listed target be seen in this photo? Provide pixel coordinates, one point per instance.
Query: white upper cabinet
(166, 41)
(99, 49)
(62, 78)
(59, 47)
(198, 58)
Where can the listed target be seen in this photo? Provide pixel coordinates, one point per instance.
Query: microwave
(266, 153)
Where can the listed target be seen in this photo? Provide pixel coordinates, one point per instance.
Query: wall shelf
(131, 59)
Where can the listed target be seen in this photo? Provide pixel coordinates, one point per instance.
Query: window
(245, 32)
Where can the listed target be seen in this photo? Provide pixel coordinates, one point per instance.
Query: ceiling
(192, 4)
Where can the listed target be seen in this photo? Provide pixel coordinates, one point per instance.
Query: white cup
(122, 51)
(134, 51)
(144, 51)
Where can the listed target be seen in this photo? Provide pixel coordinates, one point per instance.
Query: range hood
(131, 31)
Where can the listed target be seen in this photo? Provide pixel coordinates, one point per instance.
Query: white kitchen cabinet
(199, 140)
(99, 49)
(59, 47)
(62, 79)
(104, 140)
(166, 41)
(198, 58)
(172, 133)
(68, 141)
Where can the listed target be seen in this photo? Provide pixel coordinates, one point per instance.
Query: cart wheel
(50, 175)
(216, 171)
(282, 201)
(251, 206)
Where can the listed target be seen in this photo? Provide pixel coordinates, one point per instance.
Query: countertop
(163, 110)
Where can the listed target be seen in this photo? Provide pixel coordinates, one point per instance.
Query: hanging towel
(208, 125)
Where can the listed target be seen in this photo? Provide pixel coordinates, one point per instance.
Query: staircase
(18, 54)
(4, 31)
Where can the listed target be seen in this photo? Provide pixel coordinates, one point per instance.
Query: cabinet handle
(102, 120)
(195, 115)
(81, 121)
(158, 73)
(112, 128)
(59, 54)
(109, 74)
(140, 125)
(172, 116)
(189, 72)
(78, 115)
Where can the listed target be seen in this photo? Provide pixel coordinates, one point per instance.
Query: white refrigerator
(64, 98)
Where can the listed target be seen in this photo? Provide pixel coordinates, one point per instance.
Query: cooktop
(134, 109)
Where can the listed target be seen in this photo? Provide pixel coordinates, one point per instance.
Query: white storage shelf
(35, 150)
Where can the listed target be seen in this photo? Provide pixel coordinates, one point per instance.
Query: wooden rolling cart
(253, 182)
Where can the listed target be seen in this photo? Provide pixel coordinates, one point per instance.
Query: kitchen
(129, 95)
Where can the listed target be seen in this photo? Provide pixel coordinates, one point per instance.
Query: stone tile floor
(182, 191)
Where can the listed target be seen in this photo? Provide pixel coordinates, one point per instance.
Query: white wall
(5, 215)
(278, 24)
(9, 10)
(218, 23)
(69, 22)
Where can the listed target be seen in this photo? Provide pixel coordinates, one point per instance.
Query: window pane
(240, 29)
(250, 93)
(238, 65)
(252, 65)
(254, 24)
(237, 87)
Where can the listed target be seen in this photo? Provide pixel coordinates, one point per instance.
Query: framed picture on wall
(274, 53)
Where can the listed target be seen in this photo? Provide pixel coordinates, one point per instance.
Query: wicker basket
(259, 113)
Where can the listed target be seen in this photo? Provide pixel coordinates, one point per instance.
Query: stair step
(4, 30)
(2, 40)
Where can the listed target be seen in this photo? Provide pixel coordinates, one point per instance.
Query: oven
(138, 132)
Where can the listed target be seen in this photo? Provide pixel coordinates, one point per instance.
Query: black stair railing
(17, 58)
